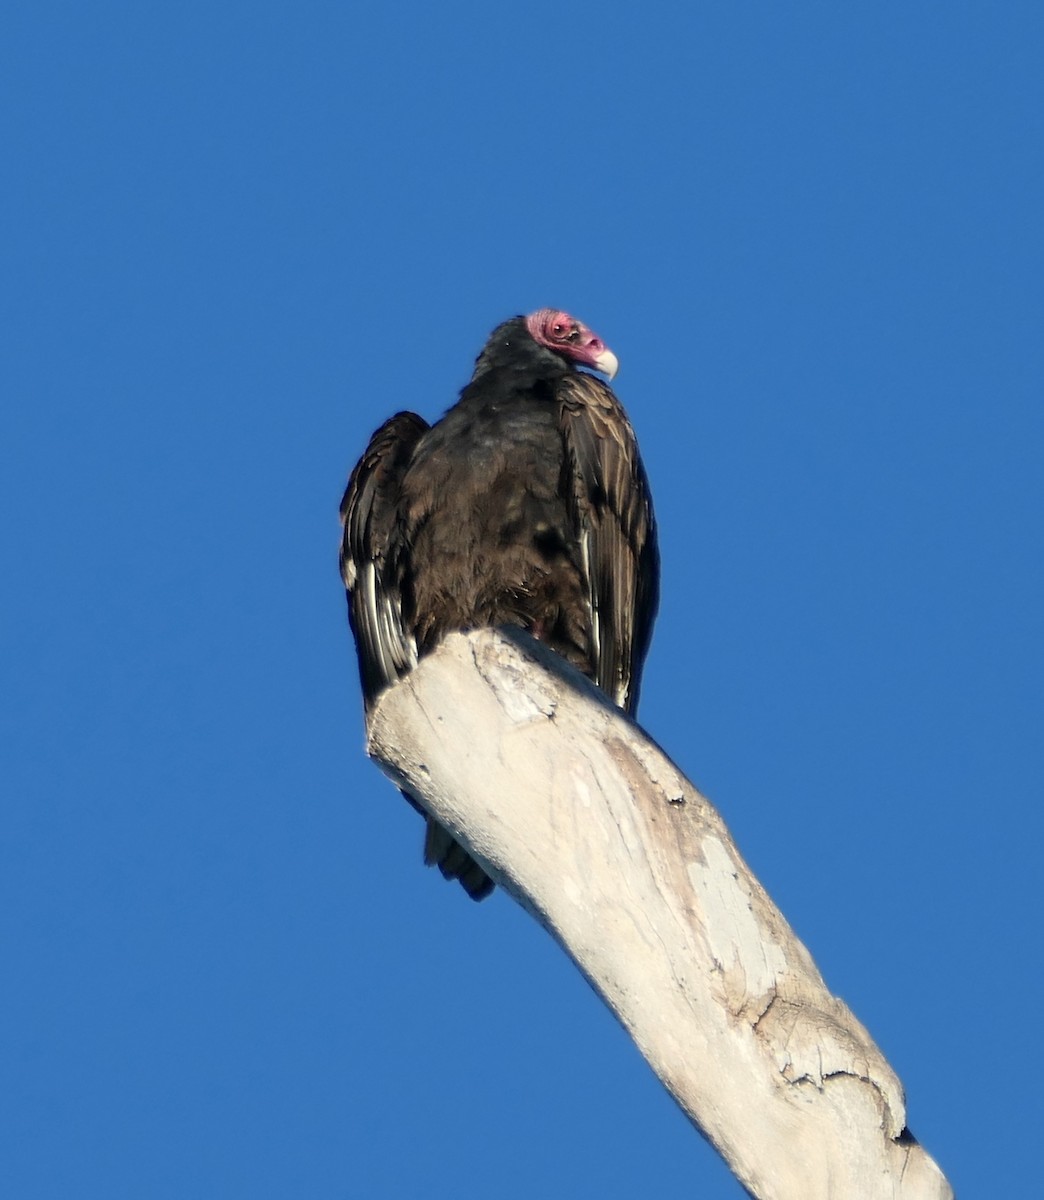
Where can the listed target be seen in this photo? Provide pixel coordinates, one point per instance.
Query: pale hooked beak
(606, 362)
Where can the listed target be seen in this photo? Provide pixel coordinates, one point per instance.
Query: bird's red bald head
(566, 335)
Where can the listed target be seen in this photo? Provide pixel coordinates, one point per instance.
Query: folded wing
(612, 510)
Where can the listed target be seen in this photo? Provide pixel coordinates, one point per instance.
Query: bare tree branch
(581, 817)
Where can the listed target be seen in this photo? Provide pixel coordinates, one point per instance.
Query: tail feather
(454, 861)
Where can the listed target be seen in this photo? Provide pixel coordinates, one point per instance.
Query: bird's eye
(558, 329)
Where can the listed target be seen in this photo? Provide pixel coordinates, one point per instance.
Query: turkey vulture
(526, 505)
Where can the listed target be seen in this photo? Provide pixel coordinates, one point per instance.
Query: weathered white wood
(580, 817)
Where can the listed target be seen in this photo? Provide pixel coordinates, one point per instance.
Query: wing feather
(369, 517)
(613, 515)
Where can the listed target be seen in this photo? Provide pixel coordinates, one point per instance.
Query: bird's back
(489, 534)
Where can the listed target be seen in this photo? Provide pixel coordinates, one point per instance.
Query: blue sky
(236, 238)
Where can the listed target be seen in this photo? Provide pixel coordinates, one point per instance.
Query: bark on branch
(576, 813)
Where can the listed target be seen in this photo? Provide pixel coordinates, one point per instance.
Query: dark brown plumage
(526, 505)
